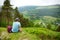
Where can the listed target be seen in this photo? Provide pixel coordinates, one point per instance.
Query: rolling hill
(38, 11)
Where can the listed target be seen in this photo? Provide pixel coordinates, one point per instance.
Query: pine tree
(17, 14)
(24, 22)
(6, 12)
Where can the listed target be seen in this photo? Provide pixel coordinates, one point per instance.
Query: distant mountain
(26, 8)
(37, 11)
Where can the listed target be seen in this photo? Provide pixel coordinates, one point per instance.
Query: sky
(20, 3)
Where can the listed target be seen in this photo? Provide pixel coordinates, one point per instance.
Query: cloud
(1, 2)
(34, 2)
(19, 3)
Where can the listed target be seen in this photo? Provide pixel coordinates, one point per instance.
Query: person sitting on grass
(16, 27)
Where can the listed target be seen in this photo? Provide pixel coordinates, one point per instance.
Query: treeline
(8, 14)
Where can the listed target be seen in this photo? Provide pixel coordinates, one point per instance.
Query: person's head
(17, 19)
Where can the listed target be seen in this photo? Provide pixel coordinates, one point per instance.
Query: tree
(17, 14)
(24, 22)
(6, 12)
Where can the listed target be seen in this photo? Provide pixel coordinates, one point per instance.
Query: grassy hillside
(31, 33)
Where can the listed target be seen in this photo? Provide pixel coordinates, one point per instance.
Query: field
(30, 33)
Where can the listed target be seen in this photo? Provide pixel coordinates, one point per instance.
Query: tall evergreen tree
(24, 22)
(17, 14)
(6, 12)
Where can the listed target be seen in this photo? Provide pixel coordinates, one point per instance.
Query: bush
(5, 24)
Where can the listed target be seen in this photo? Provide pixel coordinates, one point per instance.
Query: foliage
(24, 21)
(6, 15)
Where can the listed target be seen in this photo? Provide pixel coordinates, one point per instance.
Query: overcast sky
(19, 3)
